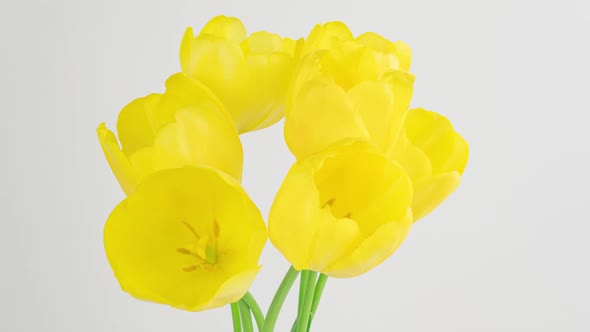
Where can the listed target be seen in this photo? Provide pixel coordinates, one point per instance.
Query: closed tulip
(383, 53)
(186, 126)
(249, 74)
(341, 93)
(434, 155)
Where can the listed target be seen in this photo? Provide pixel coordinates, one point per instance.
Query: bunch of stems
(311, 287)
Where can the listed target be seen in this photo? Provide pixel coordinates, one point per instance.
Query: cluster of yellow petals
(178, 157)
(188, 237)
(359, 88)
(250, 74)
(342, 211)
(367, 167)
(185, 126)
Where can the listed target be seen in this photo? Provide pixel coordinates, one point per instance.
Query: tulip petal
(391, 204)
(182, 91)
(335, 237)
(372, 251)
(134, 126)
(142, 162)
(326, 36)
(319, 117)
(399, 49)
(404, 55)
(343, 64)
(402, 85)
(374, 103)
(186, 49)
(199, 136)
(413, 159)
(221, 66)
(114, 243)
(373, 65)
(232, 290)
(292, 217)
(264, 100)
(434, 134)
(262, 42)
(225, 27)
(117, 160)
(376, 42)
(431, 191)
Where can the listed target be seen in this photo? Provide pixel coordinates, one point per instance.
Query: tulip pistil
(204, 249)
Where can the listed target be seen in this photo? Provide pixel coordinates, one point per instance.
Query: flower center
(355, 185)
(336, 213)
(203, 249)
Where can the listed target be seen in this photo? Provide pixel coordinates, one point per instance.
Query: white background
(509, 251)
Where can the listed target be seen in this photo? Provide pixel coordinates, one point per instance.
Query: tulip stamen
(204, 250)
(216, 229)
(191, 229)
(348, 215)
(189, 252)
(184, 251)
(190, 268)
(329, 202)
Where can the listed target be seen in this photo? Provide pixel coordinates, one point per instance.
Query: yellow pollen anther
(329, 202)
(204, 250)
(184, 251)
(190, 268)
(216, 229)
(191, 229)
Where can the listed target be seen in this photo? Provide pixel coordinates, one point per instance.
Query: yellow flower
(187, 237)
(434, 155)
(382, 52)
(249, 74)
(334, 57)
(326, 36)
(186, 126)
(340, 93)
(342, 211)
(324, 111)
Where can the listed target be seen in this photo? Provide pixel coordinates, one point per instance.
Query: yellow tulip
(382, 52)
(326, 36)
(186, 126)
(341, 94)
(434, 155)
(325, 110)
(342, 211)
(187, 237)
(333, 56)
(250, 74)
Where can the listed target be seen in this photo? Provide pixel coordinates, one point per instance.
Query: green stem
(302, 284)
(246, 317)
(308, 300)
(279, 299)
(319, 289)
(235, 315)
(255, 308)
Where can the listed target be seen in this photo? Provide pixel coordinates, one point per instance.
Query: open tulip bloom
(368, 167)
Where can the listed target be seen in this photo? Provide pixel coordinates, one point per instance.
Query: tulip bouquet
(368, 167)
